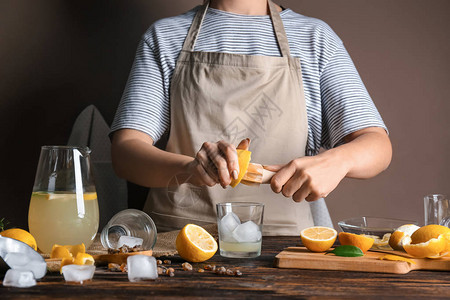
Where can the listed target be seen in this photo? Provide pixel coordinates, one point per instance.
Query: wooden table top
(259, 279)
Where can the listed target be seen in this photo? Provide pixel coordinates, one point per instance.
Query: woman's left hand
(309, 177)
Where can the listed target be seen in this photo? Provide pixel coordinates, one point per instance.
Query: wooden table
(259, 279)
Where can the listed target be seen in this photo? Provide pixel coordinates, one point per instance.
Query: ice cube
(19, 278)
(38, 268)
(20, 261)
(16, 259)
(229, 222)
(129, 241)
(247, 232)
(77, 273)
(141, 267)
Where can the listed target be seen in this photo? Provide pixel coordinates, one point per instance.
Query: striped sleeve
(145, 102)
(346, 105)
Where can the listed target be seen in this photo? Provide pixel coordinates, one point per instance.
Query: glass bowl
(372, 225)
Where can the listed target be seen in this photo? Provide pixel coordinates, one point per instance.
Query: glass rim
(243, 204)
(65, 147)
(435, 196)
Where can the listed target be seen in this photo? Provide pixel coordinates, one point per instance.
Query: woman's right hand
(216, 163)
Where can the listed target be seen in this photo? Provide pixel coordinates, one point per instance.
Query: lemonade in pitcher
(57, 218)
(63, 206)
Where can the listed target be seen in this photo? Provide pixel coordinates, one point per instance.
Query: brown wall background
(57, 57)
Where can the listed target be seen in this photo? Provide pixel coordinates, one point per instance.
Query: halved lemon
(362, 242)
(195, 244)
(318, 238)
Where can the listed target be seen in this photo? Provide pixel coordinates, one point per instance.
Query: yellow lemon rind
(244, 157)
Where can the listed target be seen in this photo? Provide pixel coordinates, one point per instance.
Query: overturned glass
(130, 227)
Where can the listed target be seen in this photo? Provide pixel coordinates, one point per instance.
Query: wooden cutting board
(301, 258)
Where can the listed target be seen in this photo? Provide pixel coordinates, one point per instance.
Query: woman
(233, 69)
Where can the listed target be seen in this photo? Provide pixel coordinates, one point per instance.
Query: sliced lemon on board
(195, 244)
(318, 238)
(20, 235)
(244, 157)
(362, 242)
(399, 235)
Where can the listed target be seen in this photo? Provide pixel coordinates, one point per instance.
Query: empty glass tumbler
(129, 223)
(437, 210)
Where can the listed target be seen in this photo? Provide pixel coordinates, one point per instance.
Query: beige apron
(222, 96)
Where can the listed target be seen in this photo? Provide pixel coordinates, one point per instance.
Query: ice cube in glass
(247, 232)
(129, 241)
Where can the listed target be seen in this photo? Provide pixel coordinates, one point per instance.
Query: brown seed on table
(201, 270)
(208, 267)
(213, 268)
(160, 270)
(123, 250)
(167, 262)
(124, 267)
(171, 274)
(136, 248)
(113, 251)
(114, 267)
(221, 270)
(230, 272)
(237, 273)
(159, 262)
(187, 266)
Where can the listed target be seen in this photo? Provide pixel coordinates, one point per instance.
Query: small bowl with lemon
(380, 229)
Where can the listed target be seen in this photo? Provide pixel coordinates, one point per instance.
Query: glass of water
(240, 228)
(437, 210)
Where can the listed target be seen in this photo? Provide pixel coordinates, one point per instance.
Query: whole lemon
(20, 235)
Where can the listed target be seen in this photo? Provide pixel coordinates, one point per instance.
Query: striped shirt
(337, 101)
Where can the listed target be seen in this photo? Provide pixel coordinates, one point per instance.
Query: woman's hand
(309, 177)
(365, 153)
(216, 163)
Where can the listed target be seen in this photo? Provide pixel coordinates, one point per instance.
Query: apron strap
(279, 30)
(280, 33)
(191, 38)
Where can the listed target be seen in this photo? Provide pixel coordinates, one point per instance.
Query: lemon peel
(362, 242)
(430, 249)
(396, 258)
(400, 235)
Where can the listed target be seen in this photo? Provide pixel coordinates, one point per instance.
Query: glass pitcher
(63, 207)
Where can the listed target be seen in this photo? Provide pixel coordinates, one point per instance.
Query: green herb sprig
(347, 251)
